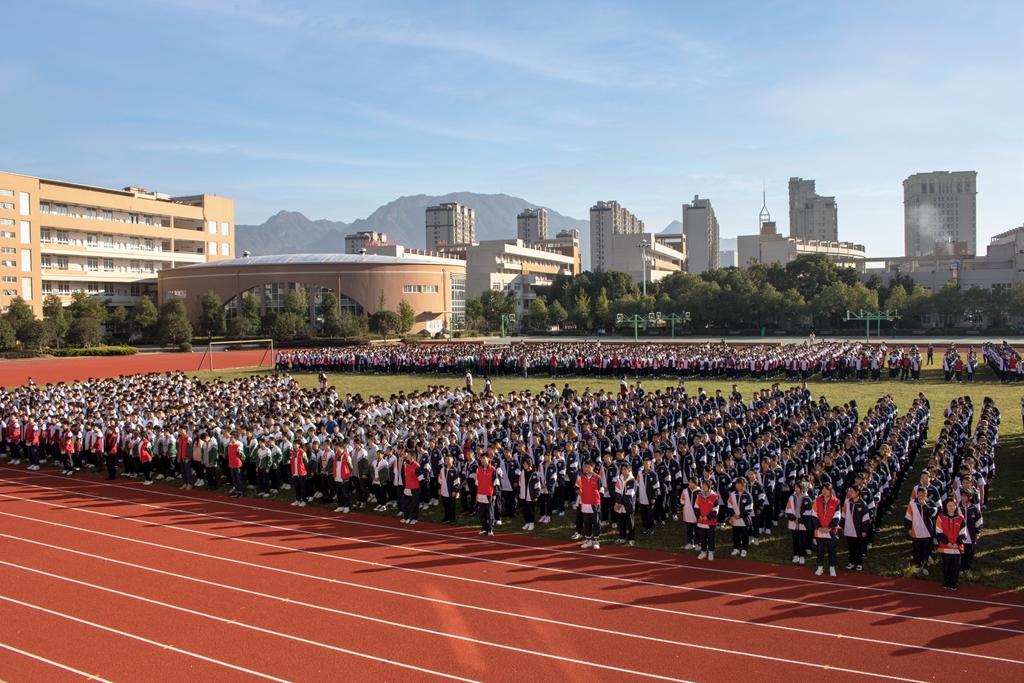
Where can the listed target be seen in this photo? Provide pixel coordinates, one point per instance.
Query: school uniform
(825, 518)
(413, 479)
(449, 481)
(487, 479)
(648, 486)
(796, 512)
(688, 501)
(741, 514)
(528, 488)
(973, 524)
(624, 498)
(855, 516)
(920, 522)
(705, 506)
(589, 490)
(298, 470)
(236, 459)
(951, 531)
(341, 471)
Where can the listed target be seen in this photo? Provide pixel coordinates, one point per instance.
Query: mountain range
(290, 232)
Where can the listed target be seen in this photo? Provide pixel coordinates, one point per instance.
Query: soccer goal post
(242, 345)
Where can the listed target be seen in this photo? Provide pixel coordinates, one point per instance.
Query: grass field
(1000, 552)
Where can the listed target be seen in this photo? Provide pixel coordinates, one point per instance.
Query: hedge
(94, 351)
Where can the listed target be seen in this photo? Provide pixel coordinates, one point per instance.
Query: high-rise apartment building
(60, 237)
(449, 224)
(940, 207)
(365, 239)
(532, 226)
(607, 219)
(700, 232)
(811, 216)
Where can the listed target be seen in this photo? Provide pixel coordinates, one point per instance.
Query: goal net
(252, 346)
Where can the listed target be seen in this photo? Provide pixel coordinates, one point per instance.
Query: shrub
(185, 347)
(94, 351)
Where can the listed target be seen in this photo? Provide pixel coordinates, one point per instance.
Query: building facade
(59, 237)
(940, 207)
(532, 226)
(700, 231)
(566, 243)
(662, 256)
(811, 216)
(450, 224)
(608, 219)
(365, 239)
(434, 286)
(510, 265)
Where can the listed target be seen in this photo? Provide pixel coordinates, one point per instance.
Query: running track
(116, 582)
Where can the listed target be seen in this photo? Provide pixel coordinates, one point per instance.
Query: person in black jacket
(856, 518)
(648, 490)
(528, 489)
(974, 522)
(624, 500)
(450, 483)
(741, 514)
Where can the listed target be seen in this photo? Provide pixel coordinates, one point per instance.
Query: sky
(335, 108)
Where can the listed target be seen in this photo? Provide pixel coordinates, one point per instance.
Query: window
(8, 250)
(92, 264)
(6, 221)
(23, 200)
(62, 237)
(106, 215)
(26, 260)
(213, 227)
(6, 234)
(6, 193)
(147, 245)
(63, 288)
(225, 249)
(149, 266)
(10, 279)
(94, 288)
(225, 229)
(430, 289)
(44, 207)
(91, 239)
(133, 243)
(62, 263)
(108, 265)
(90, 213)
(147, 220)
(213, 248)
(60, 209)
(108, 241)
(136, 290)
(46, 261)
(133, 266)
(8, 264)
(47, 288)
(7, 205)
(108, 289)
(26, 288)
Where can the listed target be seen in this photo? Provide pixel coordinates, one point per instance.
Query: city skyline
(319, 108)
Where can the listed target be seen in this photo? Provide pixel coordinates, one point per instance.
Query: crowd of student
(1004, 360)
(750, 462)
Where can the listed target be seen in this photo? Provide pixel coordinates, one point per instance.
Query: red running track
(154, 584)
(52, 370)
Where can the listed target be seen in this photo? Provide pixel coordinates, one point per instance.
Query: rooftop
(297, 259)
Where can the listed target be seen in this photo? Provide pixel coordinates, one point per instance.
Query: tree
(948, 303)
(251, 311)
(210, 318)
(384, 322)
(537, 318)
(173, 326)
(144, 315)
(239, 327)
(331, 325)
(118, 319)
(581, 310)
(53, 311)
(84, 306)
(831, 302)
(602, 308)
(287, 326)
(496, 303)
(19, 313)
(975, 300)
(85, 332)
(406, 317)
(297, 303)
(557, 313)
(34, 333)
(1015, 301)
(8, 338)
(351, 325)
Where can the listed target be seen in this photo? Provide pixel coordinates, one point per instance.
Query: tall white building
(532, 226)
(700, 232)
(449, 224)
(607, 219)
(940, 207)
(811, 216)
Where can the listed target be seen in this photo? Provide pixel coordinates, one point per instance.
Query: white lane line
(489, 584)
(937, 597)
(555, 570)
(44, 660)
(232, 622)
(142, 639)
(553, 622)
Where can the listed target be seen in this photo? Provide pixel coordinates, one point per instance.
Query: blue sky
(333, 108)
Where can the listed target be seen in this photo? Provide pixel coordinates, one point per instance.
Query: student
(236, 458)
(589, 488)
(971, 510)
(488, 478)
(648, 488)
(380, 484)
(951, 532)
(298, 473)
(741, 514)
(111, 442)
(342, 474)
(796, 511)
(825, 518)
(449, 481)
(706, 509)
(920, 522)
(529, 491)
(855, 516)
(412, 477)
(688, 500)
(145, 458)
(625, 504)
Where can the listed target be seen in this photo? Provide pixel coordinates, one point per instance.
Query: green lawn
(1000, 554)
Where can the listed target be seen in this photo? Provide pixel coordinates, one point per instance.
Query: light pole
(685, 317)
(511, 319)
(643, 263)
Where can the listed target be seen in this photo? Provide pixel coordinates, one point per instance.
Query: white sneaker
(302, 504)
(831, 571)
(801, 560)
(688, 546)
(711, 555)
(796, 559)
(159, 477)
(489, 533)
(413, 521)
(702, 555)
(531, 526)
(318, 495)
(753, 541)
(339, 509)
(526, 527)
(147, 483)
(497, 522)
(675, 518)
(346, 509)
(434, 502)
(819, 571)
(587, 543)
(295, 504)
(576, 536)
(632, 543)
(924, 571)
(597, 544)
(743, 553)
(481, 532)
(735, 551)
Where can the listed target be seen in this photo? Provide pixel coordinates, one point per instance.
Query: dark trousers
(967, 561)
(264, 480)
(706, 538)
(147, 470)
(627, 526)
(691, 532)
(741, 537)
(186, 471)
(922, 548)
(509, 500)
(237, 481)
(410, 504)
(528, 512)
(69, 461)
(448, 505)
(826, 545)
(856, 547)
(799, 537)
(380, 492)
(112, 466)
(591, 525)
(211, 477)
(486, 511)
(950, 569)
(344, 491)
(299, 485)
(647, 517)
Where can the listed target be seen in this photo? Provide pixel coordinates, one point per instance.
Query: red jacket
(144, 454)
(707, 509)
(825, 516)
(951, 532)
(485, 481)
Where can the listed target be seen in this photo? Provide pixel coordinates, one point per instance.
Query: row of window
(92, 288)
(92, 264)
(225, 249)
(420, 289)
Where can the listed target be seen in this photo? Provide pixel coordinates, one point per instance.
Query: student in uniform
(648, 487)
(299, 473)
(111, 443)
(971, 510)
(183, 453)
(706, 510)
(528, 488)
(342, 474)
(951, 531)
(741, 514)
(211, 455)
(688, 500)
(624, 499)
(236, 460)
(796, 511)
(825, 518)
(145, 458)
(855, 516)
(920, 522)
(589, 487)
(488, 479)
(380, 482)
(413, 477)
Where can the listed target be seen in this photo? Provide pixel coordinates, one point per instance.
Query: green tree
(948, 302)
(537, 318)
(172, 325)
(296, 302)
(84, 306)
(897, 299)
(331, 325)
(85, 332)
(210, 317)
(975, 300)
(384, 322)
(475, 314)
(53, 311)
(581, 310)
(118, 319)
(557, 313)
(251, 311)
(830, 303)
(998, 306)
(239, 327)
(144, 316)
(288, 326)
(19, 313)
(34, 333)
(351, 325)
(602, 307)
(8, 338)
(496, 303)
(1015, 301)
(406, 317)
